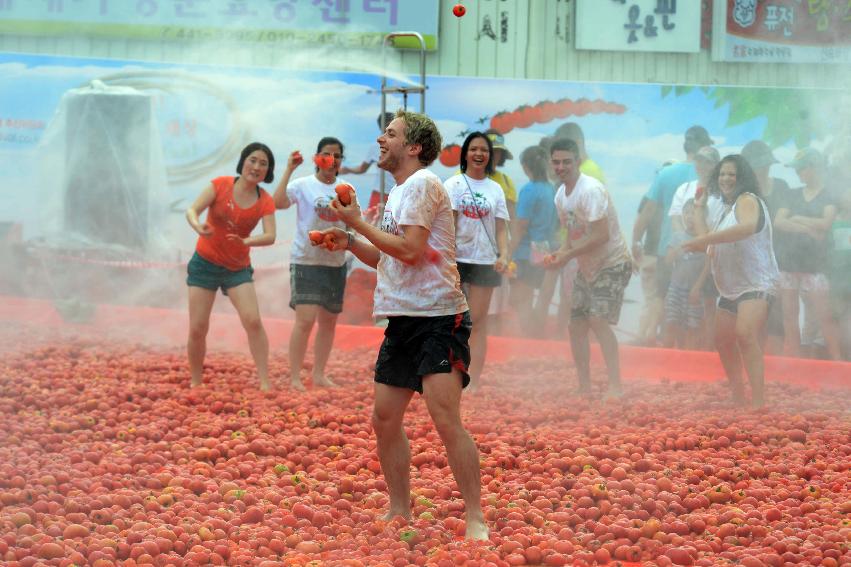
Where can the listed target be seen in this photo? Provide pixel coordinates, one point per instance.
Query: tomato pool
(108, 458)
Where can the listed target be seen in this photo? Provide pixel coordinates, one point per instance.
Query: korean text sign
(638, 25)
(316, 21)
(782, 31)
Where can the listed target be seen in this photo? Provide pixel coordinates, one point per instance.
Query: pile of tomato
(107, 457)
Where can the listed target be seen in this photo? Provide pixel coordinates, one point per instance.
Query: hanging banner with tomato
(208, 114)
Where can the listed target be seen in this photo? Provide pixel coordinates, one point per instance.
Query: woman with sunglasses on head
(234, 206)
(744, 269)
(481, 236)
(317, 275)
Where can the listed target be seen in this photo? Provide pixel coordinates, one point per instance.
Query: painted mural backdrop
(205, 115)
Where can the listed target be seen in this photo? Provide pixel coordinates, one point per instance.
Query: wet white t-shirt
(589, 202)
(478, 207)
(432, 286)
(312, 198)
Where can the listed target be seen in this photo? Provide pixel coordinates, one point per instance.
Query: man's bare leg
(581, 349)
(442, 393)
(611, 353)
(394, 452)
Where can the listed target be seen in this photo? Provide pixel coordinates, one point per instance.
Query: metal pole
(421, 89)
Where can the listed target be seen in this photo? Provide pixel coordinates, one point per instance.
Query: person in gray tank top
(744, 269)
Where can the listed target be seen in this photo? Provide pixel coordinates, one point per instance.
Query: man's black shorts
(414, 347)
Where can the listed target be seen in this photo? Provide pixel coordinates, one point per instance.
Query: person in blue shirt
(659, 197)
(533, 233)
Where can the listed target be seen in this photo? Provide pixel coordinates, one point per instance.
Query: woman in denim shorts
(234, 206)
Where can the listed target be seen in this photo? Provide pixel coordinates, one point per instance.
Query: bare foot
(324, 382)
(297, 385)
(476, 530)
(473, 387)
(265, 385)
(614, 392)
(196, 383)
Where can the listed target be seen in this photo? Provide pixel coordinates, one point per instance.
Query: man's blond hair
(420, 129)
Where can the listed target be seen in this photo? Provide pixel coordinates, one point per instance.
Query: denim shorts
(205, 274)
(318, 285)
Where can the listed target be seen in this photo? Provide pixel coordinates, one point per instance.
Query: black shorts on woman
(483, 275)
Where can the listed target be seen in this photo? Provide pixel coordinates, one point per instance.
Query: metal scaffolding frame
(405, 90)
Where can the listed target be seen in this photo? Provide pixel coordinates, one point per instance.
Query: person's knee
(385, 420)
(447, 422)
(304, 323)
(724, 337)
(746, 337)
(198, 330)
(252, 323)
(578, 325)
(599, 325)
(326, 321)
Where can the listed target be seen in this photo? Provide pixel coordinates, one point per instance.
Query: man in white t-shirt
(594, 238)
(425, 346)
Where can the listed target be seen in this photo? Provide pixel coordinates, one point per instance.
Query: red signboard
(790, 31)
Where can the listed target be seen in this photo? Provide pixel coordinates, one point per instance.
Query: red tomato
(316, 237)
(450, 155)
(323, 162)
(459, 10)
(344, 191)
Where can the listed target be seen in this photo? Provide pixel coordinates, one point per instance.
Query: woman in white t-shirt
(481, 238)
(317, 275)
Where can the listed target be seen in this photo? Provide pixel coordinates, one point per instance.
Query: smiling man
(425, 346)
(594, 238)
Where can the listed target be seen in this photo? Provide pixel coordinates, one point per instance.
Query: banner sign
(782, 31)
(361, 23)
(638, 25)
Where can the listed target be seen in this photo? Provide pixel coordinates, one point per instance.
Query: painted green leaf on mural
(786, 112)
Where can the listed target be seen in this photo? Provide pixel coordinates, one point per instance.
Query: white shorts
(804, 282)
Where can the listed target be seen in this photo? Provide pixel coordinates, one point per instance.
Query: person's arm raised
(282, 200)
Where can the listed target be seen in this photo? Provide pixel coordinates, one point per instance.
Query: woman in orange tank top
(234, 205)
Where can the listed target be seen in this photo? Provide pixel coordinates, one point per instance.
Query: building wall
(537, 44)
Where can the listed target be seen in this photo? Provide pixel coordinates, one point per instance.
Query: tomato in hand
(344, 193)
